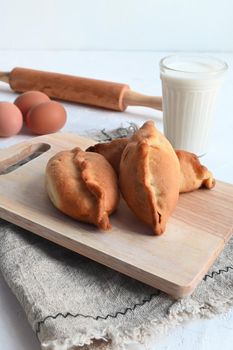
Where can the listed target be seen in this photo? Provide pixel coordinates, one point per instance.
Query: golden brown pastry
(112, 151)
(193, 174)
(83, 185)
(149, 176)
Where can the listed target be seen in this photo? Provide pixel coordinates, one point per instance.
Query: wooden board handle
(21, 154)
(100, 93)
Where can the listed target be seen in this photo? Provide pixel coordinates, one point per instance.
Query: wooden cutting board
(174, 262)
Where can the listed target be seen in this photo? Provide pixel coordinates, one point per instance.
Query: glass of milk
(190, 85)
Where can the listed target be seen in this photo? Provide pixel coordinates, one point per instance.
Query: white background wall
(182, 25)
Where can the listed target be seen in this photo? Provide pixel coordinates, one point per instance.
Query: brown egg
(11, 119)
(30, 99)
(46, 118)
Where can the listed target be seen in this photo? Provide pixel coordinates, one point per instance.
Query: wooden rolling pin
(87, 91)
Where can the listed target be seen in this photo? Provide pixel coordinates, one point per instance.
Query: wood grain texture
(87, 91)
(94, 92)
(174, 262)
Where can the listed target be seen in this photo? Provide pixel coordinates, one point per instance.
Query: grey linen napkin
(71, 301)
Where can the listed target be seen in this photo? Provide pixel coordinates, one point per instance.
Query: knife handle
(99, 93)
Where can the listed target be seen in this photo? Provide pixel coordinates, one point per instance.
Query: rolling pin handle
(133, 98)
(5, 77)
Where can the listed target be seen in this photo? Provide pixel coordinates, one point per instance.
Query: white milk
(190, 85)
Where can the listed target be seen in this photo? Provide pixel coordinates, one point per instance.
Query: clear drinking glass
(190, 85)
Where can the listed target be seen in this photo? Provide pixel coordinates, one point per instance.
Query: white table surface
(140, 71)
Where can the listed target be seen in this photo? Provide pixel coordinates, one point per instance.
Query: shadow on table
(16, 332)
